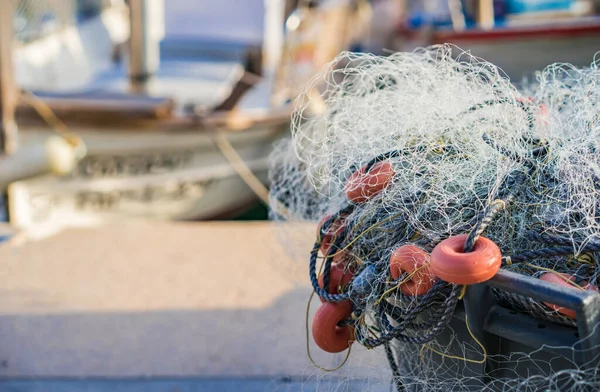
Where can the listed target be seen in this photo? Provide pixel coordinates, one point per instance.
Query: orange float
(325, 330)
(563, 280)
(451, 264)
(362, 186)
(341, 258)
(333, 231)
(410, 258)
(339, 276)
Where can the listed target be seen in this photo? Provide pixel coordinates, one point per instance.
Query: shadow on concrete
(177, 350)
(187, 385)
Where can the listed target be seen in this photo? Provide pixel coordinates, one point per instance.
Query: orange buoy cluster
(564, 280)
(447, 262)
(451, 264)
(363, 185)
(327, 334)
(360, 187)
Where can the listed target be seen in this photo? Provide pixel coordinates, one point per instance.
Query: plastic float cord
(60, 128)
(73, 146)
(246, 174)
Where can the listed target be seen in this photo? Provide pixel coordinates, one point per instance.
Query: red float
(339, 276)
(451, 264)
(325, 330)
(333, 231)
(361, 186)
(410, 258)
(563, 280)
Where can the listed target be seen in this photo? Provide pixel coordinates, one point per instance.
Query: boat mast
(147, 29)
(8, 90)
(273, 38)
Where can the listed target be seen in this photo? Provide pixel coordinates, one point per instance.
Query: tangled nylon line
(423, 157)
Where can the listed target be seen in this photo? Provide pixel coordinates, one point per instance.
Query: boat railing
(91, 106)
(148, 114)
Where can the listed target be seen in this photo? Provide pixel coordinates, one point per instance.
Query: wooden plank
(90, 105)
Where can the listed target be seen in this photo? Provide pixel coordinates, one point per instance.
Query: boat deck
(92, 56)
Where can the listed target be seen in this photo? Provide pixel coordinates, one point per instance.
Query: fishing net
(416, 153)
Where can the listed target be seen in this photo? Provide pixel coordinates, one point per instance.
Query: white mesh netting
(417, 148)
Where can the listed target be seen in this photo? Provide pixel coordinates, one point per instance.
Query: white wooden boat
(148, 157)
(170, 169)
(160, 177)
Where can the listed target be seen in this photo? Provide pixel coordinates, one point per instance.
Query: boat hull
(128, 176)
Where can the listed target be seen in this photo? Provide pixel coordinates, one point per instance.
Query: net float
(332, 232)
(412, 259)
(325, 330)
(562, 279)
(450, 263)
(339, 276)
(362, 185)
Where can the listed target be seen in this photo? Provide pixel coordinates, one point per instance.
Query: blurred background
(139, 86)
(124, 124)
